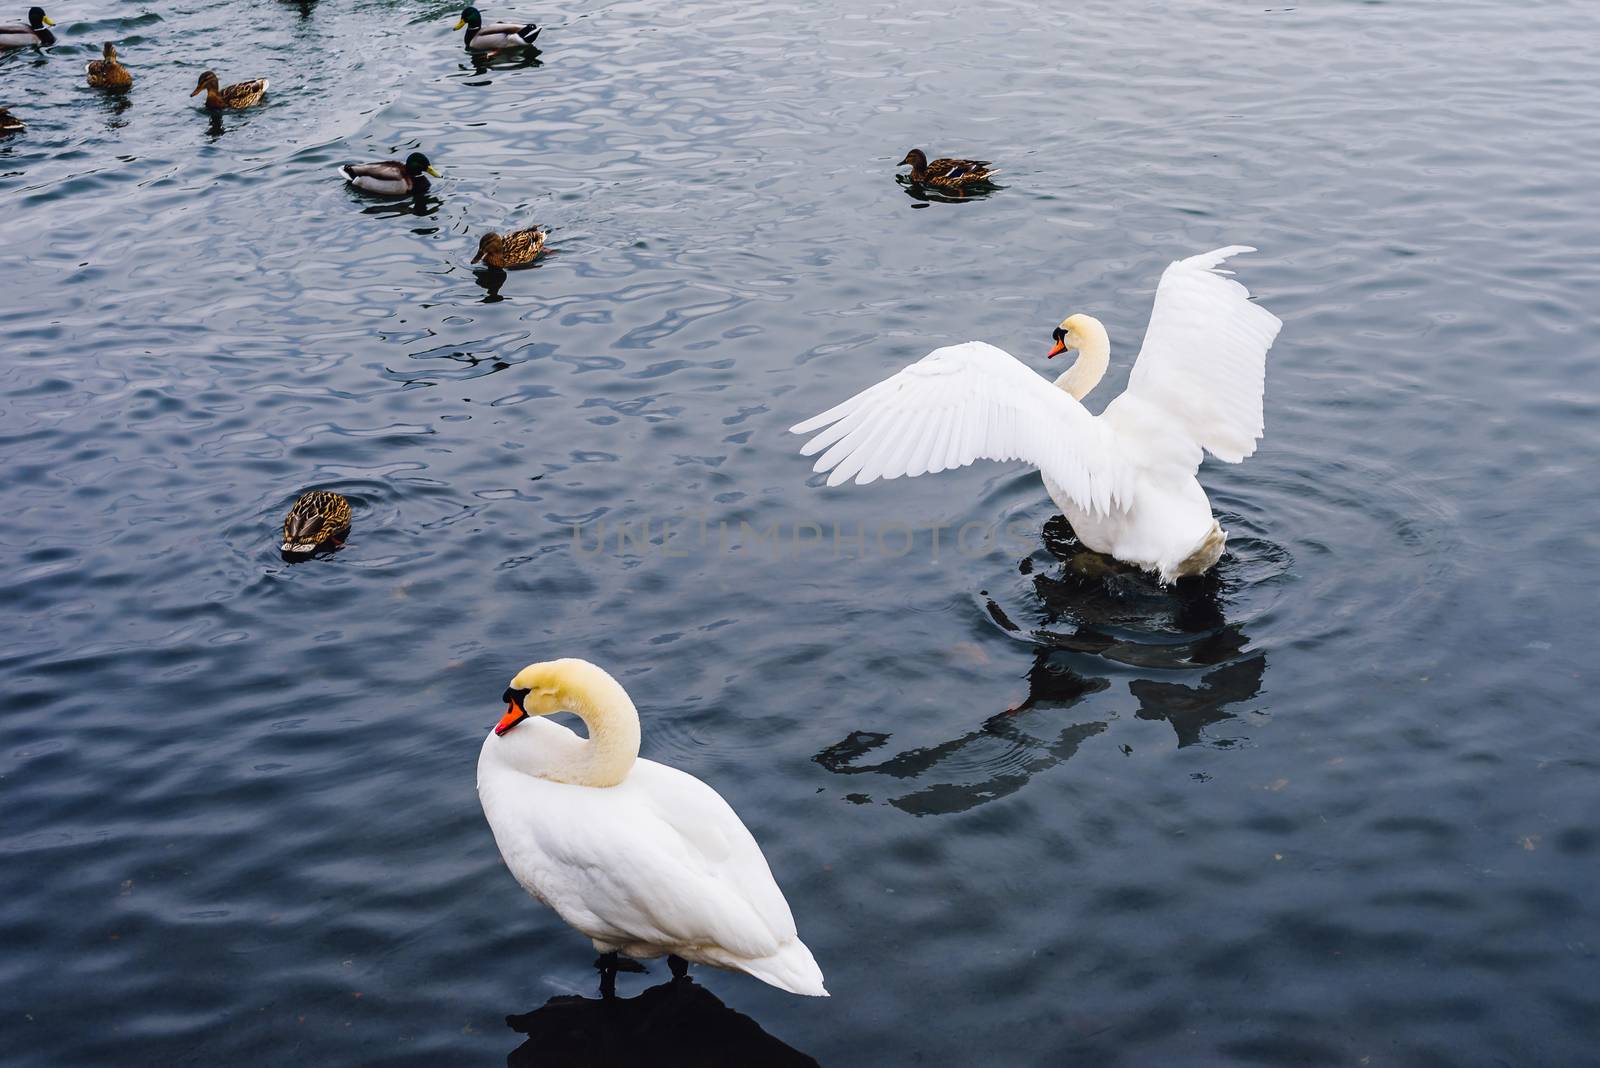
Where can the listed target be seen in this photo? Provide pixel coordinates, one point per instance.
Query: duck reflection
(490, 279)
(116, 106)
(925, 195)
(677, 1022)
(421, 205)
(1089, 609)
(504, 60)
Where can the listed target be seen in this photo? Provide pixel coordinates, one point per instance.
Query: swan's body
(1125, 479)
(642, 858)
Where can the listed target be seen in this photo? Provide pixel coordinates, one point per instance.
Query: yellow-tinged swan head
(569, 685)
(1074, 332)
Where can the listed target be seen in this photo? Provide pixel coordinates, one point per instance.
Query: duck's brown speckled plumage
(109, 74)
(956, 175)
(319, 519)
(230, 97)
(516, 249)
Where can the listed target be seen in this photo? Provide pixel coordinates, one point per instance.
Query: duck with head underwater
(391, 177)
(494, 37)
(318, 519)
(23, 35)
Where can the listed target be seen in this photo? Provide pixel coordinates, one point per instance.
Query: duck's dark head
(416, 163)
(470, 17)
(37, 19)
(916, 158)
(208, 80)
(109, 51)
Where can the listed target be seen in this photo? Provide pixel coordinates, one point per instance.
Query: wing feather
(1204, 357)
(961, 404)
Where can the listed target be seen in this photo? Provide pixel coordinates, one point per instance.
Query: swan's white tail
(792, 968)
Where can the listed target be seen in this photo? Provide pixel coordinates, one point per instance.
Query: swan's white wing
(964, 403)
(1204, 358)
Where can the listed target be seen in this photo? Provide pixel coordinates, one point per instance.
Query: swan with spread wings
(1126, 478)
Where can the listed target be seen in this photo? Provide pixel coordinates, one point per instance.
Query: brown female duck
(955, 175)
(220, 98)
(516, 249)
(108, 74)
(320, 519)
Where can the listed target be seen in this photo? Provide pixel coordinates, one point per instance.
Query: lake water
(1335, 805)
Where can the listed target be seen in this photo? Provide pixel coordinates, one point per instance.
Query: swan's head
(1074, 332)
(556, 686)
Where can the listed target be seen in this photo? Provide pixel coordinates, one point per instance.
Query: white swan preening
(1125, 479)
(644, 859)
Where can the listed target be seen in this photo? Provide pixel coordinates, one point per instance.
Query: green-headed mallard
(220, 98)
(319, 519)
(19, 35)
(390, 177)
(9, 123)
(108, 74)
(481, 38)
(957, 175)
(516, 249)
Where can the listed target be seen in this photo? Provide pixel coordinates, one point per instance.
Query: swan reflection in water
(1090, 608)
(678, 1022)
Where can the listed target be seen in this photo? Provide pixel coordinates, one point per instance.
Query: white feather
(657, 863)
(1125, 479)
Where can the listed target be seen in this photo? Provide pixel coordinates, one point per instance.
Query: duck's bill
(433, 172)
(478, 257)
(48, 21)
(198, 90)
(513, 716)
(460, 23)
(1060, 347)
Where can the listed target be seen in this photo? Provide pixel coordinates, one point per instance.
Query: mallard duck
(107, 73)
(319, 519)
(957, 175)
(390, 177)
(232, 97)
(17, 35)
(481, 38)
(9, 123)
(516, 249)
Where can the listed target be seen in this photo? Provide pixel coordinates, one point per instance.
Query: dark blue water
(1335, 805)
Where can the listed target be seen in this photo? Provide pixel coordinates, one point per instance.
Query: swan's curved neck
(1094, 356)
(606, 757)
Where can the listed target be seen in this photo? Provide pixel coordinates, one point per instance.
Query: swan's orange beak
(513, 716)
(1060, 347)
